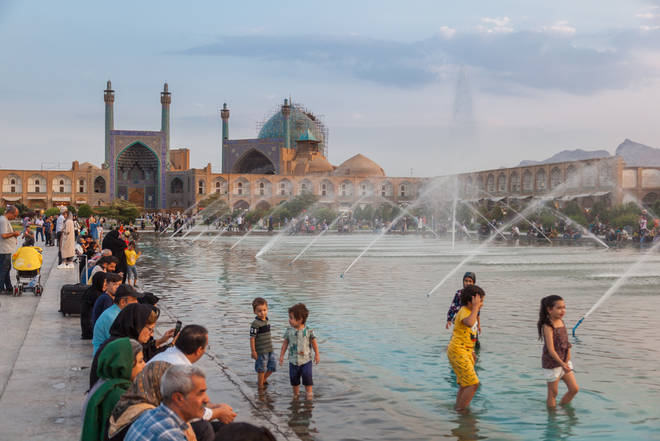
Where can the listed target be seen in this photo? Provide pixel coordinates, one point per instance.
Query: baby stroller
(27, 263)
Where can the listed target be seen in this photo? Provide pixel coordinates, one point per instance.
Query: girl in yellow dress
(461, 347)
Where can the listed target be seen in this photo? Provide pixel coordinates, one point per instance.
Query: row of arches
(59, 184)
(285, 188)
(540, 181)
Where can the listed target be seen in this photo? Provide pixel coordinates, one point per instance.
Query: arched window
(540, 180)
(571, 176)
(176, 186)
(37, 186)
(239, 188)
(201, 187)
(501, 183)
(343, 189)
(61, 184)
(262, 188)
(82, 188)
(403, 190)
(515, 182)
(220, 186)
(324, 189)
(99, 185)
(527, 181)
(555, 178)
(490, 184)
(12, 184)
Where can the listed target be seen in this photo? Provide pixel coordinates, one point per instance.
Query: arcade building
(288, 158)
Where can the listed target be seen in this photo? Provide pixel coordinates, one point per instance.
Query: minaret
(286, 111)
(109, 98)
(224, 114)
(165, 101)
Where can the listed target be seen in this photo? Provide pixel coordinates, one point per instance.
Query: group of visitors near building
(141, 386)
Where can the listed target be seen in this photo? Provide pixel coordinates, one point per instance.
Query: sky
(426, 88)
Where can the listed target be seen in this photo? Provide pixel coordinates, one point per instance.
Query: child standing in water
(261, 344)
(300, 341)
(556, 358)
(461, 347)
(469, 279)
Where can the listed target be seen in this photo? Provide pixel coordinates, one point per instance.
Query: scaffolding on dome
(316, 119)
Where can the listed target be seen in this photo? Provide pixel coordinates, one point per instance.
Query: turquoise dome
(299, 123)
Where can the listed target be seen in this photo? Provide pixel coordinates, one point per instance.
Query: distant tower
(224, 114)
(109, 98)
(165, 101)
(286, 112)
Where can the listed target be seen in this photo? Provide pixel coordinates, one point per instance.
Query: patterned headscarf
(143, 394)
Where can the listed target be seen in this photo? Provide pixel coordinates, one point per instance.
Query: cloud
(497, 25)
(501, 62)
(560, 28)
(447, 32)
(646, 15)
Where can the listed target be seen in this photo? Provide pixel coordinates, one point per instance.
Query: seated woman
(144, 394)
(119, 363)
(136, 321)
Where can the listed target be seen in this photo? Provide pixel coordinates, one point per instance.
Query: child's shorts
(304, 371)
(462, 362)
(131, 272)
(265, 363)
(554, 374)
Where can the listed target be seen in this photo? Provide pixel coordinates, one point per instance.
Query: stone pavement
(44, 368)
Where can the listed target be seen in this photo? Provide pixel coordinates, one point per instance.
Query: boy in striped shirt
(261, 343)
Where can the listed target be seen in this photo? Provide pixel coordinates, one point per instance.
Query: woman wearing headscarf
(144, 394)
(87, 304)
(114, 242)
(135, 321)
(119, 363)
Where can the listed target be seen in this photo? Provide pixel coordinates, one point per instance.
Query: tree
(85, 210)
(121, 210)
(72, 209)
(22, 209)
(53, 211)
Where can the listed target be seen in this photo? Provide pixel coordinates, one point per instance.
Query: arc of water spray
(572, 222)
(219, 234)
(475, 211)
(212, 204)
(332, 224)
(207, 217)
(187, 210)
(277, 208)
(271, 243)
(405, 212)
(523, 217)
(387, 229)
(522, 214)
(617, 284)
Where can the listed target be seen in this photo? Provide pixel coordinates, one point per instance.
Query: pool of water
(384, 373)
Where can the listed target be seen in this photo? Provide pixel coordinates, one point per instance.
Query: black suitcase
(71, 298)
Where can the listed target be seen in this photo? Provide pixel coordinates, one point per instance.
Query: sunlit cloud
(560, 28)
(495, 25)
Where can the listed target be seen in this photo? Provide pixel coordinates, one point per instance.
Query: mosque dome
(300, 121)
(359, 165)
(320, 165)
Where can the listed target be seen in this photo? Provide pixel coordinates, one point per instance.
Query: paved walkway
(44, 368)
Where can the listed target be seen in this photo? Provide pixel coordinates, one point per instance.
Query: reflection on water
(384, 373)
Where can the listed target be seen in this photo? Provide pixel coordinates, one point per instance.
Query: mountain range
(633, 153)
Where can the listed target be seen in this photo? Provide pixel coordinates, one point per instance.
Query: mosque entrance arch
(254, 162)
(137, 170)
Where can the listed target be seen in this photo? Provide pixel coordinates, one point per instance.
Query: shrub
(85, 210)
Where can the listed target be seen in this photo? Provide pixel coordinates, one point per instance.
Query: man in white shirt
(8, 243)
(190, 345)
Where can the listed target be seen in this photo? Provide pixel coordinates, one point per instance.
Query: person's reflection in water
(467, 427)
(265, 400)
(560, 423)
(300, 418)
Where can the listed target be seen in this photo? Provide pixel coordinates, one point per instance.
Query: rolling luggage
(71, 298)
